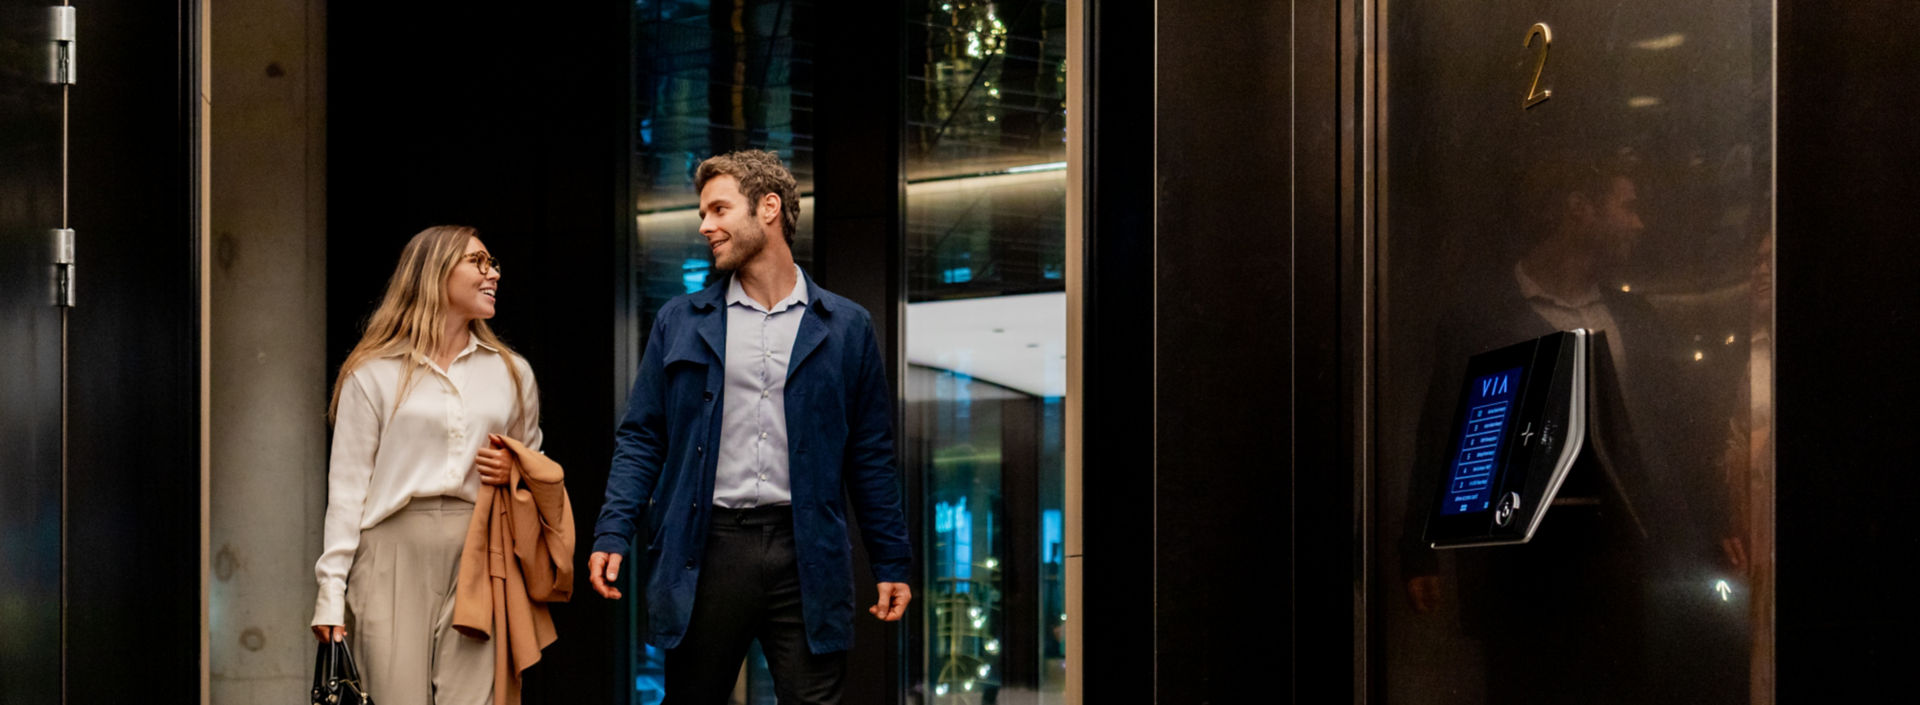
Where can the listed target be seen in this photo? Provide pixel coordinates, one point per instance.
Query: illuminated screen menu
(1489, 408)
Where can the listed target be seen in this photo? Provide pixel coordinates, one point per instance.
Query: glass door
(32, 207)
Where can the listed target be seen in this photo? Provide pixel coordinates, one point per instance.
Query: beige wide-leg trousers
(400, 609)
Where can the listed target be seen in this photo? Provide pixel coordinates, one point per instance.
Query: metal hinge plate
(64, 30)
(63, 263)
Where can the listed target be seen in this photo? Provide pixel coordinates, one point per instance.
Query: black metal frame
(1117, 357)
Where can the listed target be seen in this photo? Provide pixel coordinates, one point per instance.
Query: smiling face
(734, 229)
(473, 284)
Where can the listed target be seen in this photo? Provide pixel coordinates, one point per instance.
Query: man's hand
(1423, 591)
(323, 632)
(603, 570)
(893, 602)
(492, 462)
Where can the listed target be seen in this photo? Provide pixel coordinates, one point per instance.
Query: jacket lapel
(812, 332)
(712, 326)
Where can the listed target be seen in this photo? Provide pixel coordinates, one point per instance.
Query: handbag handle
(334, 671)
(320, 673)
(349, 671)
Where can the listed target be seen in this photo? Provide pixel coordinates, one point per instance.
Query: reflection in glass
(708, 78)
(1635, 202)
(986, 332)
(986, 86)
(967, 625)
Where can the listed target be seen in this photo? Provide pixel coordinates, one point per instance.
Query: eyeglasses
(484, 262)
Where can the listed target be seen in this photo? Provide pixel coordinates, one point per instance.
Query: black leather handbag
(335, 679)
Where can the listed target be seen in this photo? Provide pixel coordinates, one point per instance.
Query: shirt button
(764, 393)
(763, 435)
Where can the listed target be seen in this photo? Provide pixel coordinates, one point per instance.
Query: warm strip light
(1049, 166)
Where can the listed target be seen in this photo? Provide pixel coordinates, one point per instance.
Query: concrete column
(268, 344)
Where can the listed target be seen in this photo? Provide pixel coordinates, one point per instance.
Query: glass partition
(1582, 165)
(986, 347)
(708, 78)
(986, 321)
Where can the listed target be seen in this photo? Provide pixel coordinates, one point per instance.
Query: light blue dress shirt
(752, 469)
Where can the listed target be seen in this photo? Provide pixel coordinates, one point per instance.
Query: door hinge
(63, 267)
(65, 31)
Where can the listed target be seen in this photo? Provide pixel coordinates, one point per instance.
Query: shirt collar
(737, 294)
(1532, 291)
(473, 343)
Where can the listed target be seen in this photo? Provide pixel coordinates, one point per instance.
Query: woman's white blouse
(383, 457)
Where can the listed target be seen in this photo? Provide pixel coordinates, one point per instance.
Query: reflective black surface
(30, 332)
(1637, 201)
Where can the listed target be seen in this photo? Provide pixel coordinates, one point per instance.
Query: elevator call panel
(1519, 426)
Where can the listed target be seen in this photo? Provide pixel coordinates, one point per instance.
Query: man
(761, 402)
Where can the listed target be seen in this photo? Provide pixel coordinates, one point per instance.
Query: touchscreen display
(1477, 453)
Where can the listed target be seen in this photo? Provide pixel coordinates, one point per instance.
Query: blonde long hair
(407, 323)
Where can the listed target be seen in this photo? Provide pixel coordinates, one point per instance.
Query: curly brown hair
(759, 172)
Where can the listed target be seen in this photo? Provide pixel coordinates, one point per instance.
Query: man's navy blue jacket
(839, 437)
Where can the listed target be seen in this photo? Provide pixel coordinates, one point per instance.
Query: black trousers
(750, 589)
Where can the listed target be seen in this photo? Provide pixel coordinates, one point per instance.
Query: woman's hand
(493, 462)
(323, 632)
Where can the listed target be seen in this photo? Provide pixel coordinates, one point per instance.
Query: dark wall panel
(512, 122)
(1223, 314)
(1846, 312)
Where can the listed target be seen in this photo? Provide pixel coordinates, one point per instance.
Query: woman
(412, 410)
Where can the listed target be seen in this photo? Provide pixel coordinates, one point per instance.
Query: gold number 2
(1534, 94)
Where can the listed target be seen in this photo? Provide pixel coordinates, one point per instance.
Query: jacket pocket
(686, 387)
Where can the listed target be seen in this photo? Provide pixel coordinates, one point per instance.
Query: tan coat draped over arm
(518, 557)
